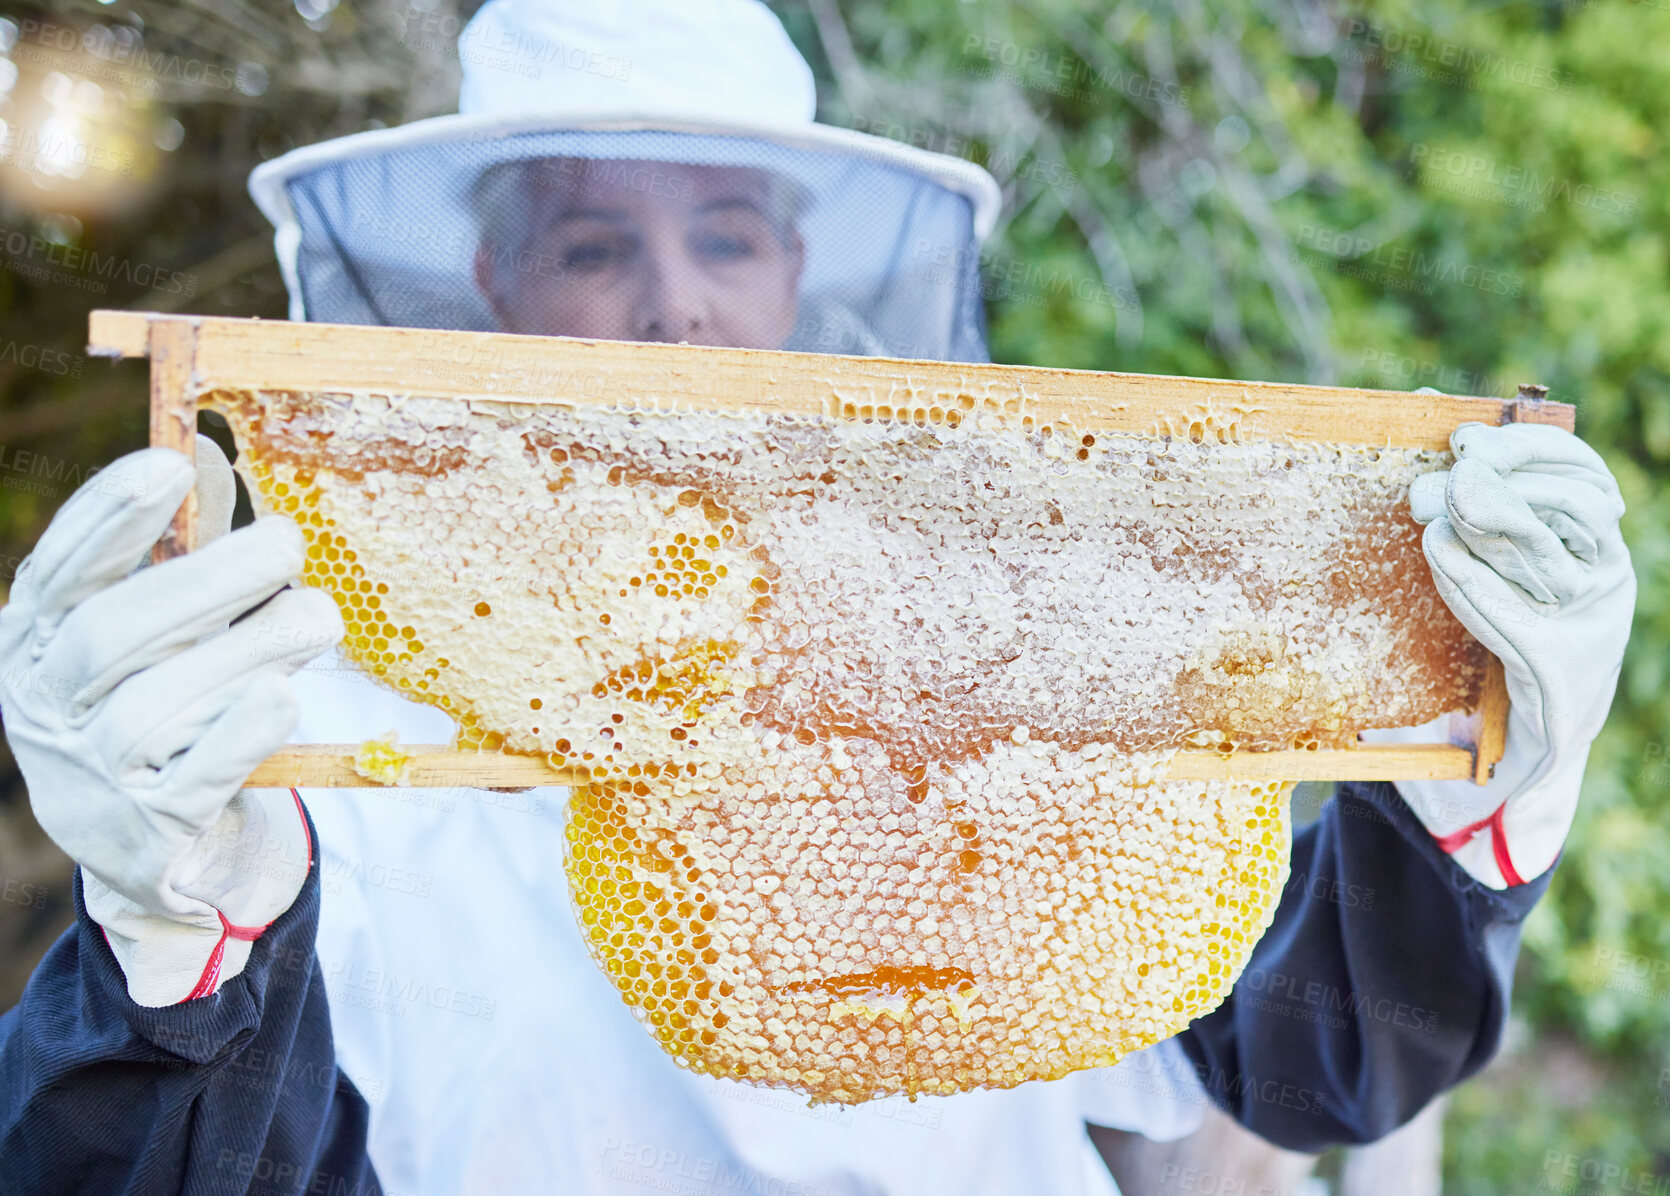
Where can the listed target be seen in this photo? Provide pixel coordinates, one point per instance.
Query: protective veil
(387, 227)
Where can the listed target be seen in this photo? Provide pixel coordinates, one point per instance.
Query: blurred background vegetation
(1425, 193)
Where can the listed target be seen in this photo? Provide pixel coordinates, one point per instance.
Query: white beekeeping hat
(610, 56)
(384, 227)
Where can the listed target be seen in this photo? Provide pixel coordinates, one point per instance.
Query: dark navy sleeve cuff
(1383, 980)
(229, 1092)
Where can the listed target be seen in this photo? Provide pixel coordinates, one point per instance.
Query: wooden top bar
(279, 355)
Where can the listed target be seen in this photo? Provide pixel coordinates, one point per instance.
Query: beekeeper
(327, 991)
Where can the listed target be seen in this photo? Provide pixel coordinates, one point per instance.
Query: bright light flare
(77, 126)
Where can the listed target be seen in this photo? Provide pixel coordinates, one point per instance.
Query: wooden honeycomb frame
(193, 355)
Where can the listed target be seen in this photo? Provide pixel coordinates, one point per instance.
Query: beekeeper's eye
(716, 247)
(589, 257)
(589, 247)
(733, 231)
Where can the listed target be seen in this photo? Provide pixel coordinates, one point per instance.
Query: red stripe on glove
(211, 970)
(1499, 845)
(244, 934)
(1456, 840)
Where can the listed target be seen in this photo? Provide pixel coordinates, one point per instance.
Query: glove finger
(1582, 516)
(1572, 534)
(105, 527)
(1561, 479)
(162, 710)
(252, 722)
(216, 492)
(1493, 610)
(1536, 447)
(1426, 496)
(158, 611)
(1502, 531)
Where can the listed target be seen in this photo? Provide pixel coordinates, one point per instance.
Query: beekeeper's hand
(1522, 536)
(135, 713)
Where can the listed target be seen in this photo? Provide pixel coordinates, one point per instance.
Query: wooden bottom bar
(435, 766)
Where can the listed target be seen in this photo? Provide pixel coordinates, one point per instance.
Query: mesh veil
(390, 235)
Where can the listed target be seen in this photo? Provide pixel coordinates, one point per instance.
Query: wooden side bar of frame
(172, 347)
(193, 355)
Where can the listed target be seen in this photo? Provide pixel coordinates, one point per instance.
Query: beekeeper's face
(650, 251)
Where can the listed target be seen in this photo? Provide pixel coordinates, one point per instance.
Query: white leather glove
(1522, 537)
(135, 713)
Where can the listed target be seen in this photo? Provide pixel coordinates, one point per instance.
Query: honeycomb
(874, 710)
